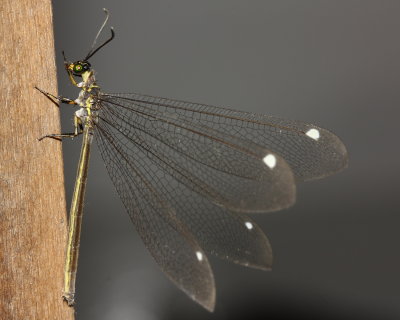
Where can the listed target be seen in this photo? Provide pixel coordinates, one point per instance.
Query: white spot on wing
(249, 225)
(270, 161)
(313, 134)
(199, 256)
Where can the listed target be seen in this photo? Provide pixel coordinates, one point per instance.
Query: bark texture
(32, 199)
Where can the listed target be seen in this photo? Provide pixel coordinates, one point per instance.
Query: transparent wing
(175, 222)
(168, 240)
(311, 152)
(187, 172)
(230, 171)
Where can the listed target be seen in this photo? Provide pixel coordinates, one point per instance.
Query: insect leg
(67, 68)
(58, 136)
(56, 100)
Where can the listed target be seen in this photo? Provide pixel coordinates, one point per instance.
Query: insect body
(188, 174)
(85, 119)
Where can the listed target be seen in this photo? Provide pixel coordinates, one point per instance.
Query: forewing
(229, 170)
(311, 152)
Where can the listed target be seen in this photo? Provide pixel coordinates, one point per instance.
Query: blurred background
(332, 63)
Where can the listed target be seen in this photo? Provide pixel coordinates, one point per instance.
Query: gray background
(332, 63)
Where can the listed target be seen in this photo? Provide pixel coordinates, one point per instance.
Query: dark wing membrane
(311, 152)
(175, 222)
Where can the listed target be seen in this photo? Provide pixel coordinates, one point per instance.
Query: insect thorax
(87, 97)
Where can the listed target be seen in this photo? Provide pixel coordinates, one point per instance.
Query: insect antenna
(92, 51)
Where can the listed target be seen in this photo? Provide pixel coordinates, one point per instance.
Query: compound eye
(78, 68)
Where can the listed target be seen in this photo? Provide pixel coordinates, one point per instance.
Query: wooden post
(33, 220)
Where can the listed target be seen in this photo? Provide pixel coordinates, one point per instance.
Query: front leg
(56, 100)
(68, 69)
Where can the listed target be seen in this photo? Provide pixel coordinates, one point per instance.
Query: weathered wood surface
(32, 199)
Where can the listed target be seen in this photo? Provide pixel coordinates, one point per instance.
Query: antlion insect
(189, 173)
